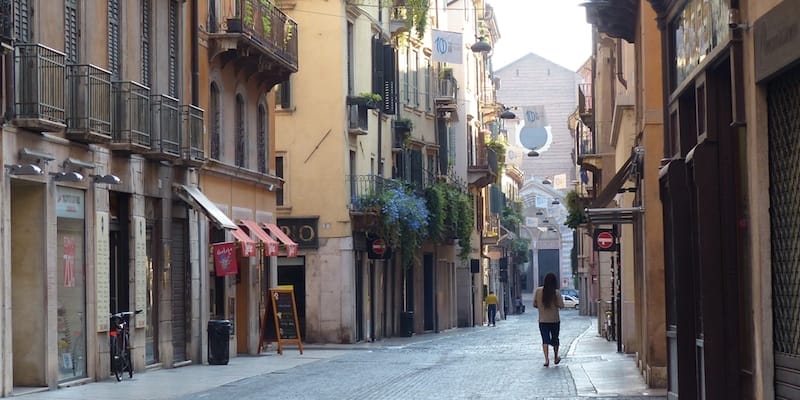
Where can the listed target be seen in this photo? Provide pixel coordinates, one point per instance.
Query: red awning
(270, 245)
(248, 245)
(291, 246)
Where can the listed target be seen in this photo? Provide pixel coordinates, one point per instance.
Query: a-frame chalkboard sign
(280, 322)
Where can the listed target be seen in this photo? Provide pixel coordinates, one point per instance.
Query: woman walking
(547, 299)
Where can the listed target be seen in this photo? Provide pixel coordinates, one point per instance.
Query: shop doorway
(292, 271)
(429, 296)
(119, 252)
(28, 304)
(179, 248)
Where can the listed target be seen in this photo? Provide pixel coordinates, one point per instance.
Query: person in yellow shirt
(491, 302)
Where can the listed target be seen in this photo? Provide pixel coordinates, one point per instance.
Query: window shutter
(22, 32)
(261, 133)
(173, 48)
(285, 92)
(377, 66)
(113, 38)
(441, 136)
(146, 17)
(71, 30)
(416, 168)
(389, 92)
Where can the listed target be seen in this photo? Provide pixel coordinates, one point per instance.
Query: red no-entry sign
(379, 247)
(604, 240)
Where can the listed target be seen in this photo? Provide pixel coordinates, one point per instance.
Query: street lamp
(481, 46)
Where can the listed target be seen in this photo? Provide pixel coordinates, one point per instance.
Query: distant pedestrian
(548, 300)
(491, 305)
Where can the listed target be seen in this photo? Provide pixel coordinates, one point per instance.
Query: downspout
(195, 67)
(620, 78)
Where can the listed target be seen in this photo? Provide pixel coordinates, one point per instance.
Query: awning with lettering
(288, 243)
(248, 245)
(270, 245)
(197, 200)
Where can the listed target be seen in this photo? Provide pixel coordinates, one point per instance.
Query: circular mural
(535, 137)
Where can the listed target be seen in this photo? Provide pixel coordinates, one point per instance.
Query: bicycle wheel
(116, 358)
(128, 358)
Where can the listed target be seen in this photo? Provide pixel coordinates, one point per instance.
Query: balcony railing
(131, 127)
(585, 105)
(40, 79)
(365, 190)
(89, 104)
(358, 123)
(264, 24)
(165, 132)
(193, 122)
(585, 142)
(446, 93)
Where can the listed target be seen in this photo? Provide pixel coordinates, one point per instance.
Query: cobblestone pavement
(503, 362)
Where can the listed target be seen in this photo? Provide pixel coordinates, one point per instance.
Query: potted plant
(403, 125)
(369, 100)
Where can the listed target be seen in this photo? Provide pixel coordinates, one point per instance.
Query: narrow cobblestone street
(503, 362)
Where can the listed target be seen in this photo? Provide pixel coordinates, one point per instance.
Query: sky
(554, 29)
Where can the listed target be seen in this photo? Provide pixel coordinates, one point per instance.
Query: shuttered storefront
(180, 312)
(784, 148)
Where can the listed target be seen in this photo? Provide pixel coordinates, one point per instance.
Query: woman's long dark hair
(549, 291)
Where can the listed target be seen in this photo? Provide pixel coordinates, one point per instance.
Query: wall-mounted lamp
(547, 181)
(75, 163)
(25, 169)
(533, 153)
(481, 46)
(555, 202)
(110, 179)
(67, 176)
(38, 156)
(271, 187)
(507, 114)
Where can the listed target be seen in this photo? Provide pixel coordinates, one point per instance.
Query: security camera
(734, 20)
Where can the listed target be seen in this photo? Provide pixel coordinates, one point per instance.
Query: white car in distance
(570, 301)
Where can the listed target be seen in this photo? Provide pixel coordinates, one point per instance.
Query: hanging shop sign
(302, 231)
(225, 258)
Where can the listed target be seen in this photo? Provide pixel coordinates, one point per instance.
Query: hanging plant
(417, 16)
(466, 221)
(519, 248)
(404, 219)
(575, 214)
(435, 195)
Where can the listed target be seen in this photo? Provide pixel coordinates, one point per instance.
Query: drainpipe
(620, 78)
(194, 56)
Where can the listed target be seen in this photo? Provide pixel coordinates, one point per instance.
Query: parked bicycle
(120, 344)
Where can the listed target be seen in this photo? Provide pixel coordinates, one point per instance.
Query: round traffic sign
(379, 246)
(605, 240)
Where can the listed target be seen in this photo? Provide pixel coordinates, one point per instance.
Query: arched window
(241, 137)
(216, 122)
(262, 132)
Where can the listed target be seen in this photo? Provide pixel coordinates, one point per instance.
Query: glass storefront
(71, 311)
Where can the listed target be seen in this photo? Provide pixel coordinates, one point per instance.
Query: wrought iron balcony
(165, 132)
(483, 170)
(88, 104)
(256, 34)
(365, 190)
(193, 135)
(131, 122)
(357, 119)
(40, 80)
(585, 106)
(446, 94)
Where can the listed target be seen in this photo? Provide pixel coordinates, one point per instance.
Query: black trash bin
(407, 323)
(218, 339)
